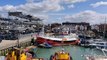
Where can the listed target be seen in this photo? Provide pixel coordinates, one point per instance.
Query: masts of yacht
(42, 32)
(43, 29)
(104, 52)
(104, 29)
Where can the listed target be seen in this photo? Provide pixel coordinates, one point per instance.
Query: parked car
(11, 37)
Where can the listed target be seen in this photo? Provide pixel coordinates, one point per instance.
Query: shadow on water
(75, 51)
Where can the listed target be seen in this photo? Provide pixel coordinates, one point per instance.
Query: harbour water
(76, 52)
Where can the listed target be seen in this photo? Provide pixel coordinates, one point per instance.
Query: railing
(4, 51)
(61, 36)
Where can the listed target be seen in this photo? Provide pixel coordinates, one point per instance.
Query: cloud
(41, 7)
(34, 7)
(71, 6)
(8, 8)
(89, 16)
(43, 16)
(101, 3)
(73, 1)
(38, 6)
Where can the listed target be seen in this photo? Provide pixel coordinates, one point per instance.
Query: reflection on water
(75, 51)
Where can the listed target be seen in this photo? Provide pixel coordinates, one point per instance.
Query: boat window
(100, 43)
(105, 43)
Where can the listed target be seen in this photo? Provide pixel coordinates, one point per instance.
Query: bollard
(4, 52)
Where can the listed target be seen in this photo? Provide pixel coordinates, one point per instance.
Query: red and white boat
(57, 40)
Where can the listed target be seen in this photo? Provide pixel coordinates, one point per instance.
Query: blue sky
(54, 10)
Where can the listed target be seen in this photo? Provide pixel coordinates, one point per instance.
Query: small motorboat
(45, 45)
(61, 55)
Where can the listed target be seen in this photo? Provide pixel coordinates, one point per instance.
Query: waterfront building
(77, 26)
(100, 29)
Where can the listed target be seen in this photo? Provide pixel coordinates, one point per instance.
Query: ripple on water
(75, 51)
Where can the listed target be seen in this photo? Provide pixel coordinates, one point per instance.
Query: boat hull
(45, 45)
(41, 40)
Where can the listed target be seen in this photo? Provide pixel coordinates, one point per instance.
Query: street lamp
(18, 40)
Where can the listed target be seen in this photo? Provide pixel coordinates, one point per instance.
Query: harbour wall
(7, 45)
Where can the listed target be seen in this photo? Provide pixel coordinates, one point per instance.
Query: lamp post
(18, 40)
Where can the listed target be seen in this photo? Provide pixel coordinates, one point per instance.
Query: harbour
(53, 30)
(76, 52)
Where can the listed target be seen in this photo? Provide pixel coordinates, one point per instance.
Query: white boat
(96, 57)
(100, 45)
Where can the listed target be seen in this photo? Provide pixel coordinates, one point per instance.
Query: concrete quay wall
(6, 45)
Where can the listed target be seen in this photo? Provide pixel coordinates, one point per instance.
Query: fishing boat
(61, 55)
(56, 40)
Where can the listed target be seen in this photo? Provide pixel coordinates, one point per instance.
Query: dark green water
(75, 51)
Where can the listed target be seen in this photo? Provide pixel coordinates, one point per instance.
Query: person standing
(23, 56)
(33, 41)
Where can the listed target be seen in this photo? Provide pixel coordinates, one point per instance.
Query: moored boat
(57, 40)
(100, 45)
(96, 57)
(45, 45)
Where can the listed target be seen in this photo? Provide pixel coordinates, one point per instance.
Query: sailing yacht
(103, 45)
(100, 45)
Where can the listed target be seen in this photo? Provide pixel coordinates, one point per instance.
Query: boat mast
(104, 29)
(42, 32)
(43, 29)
